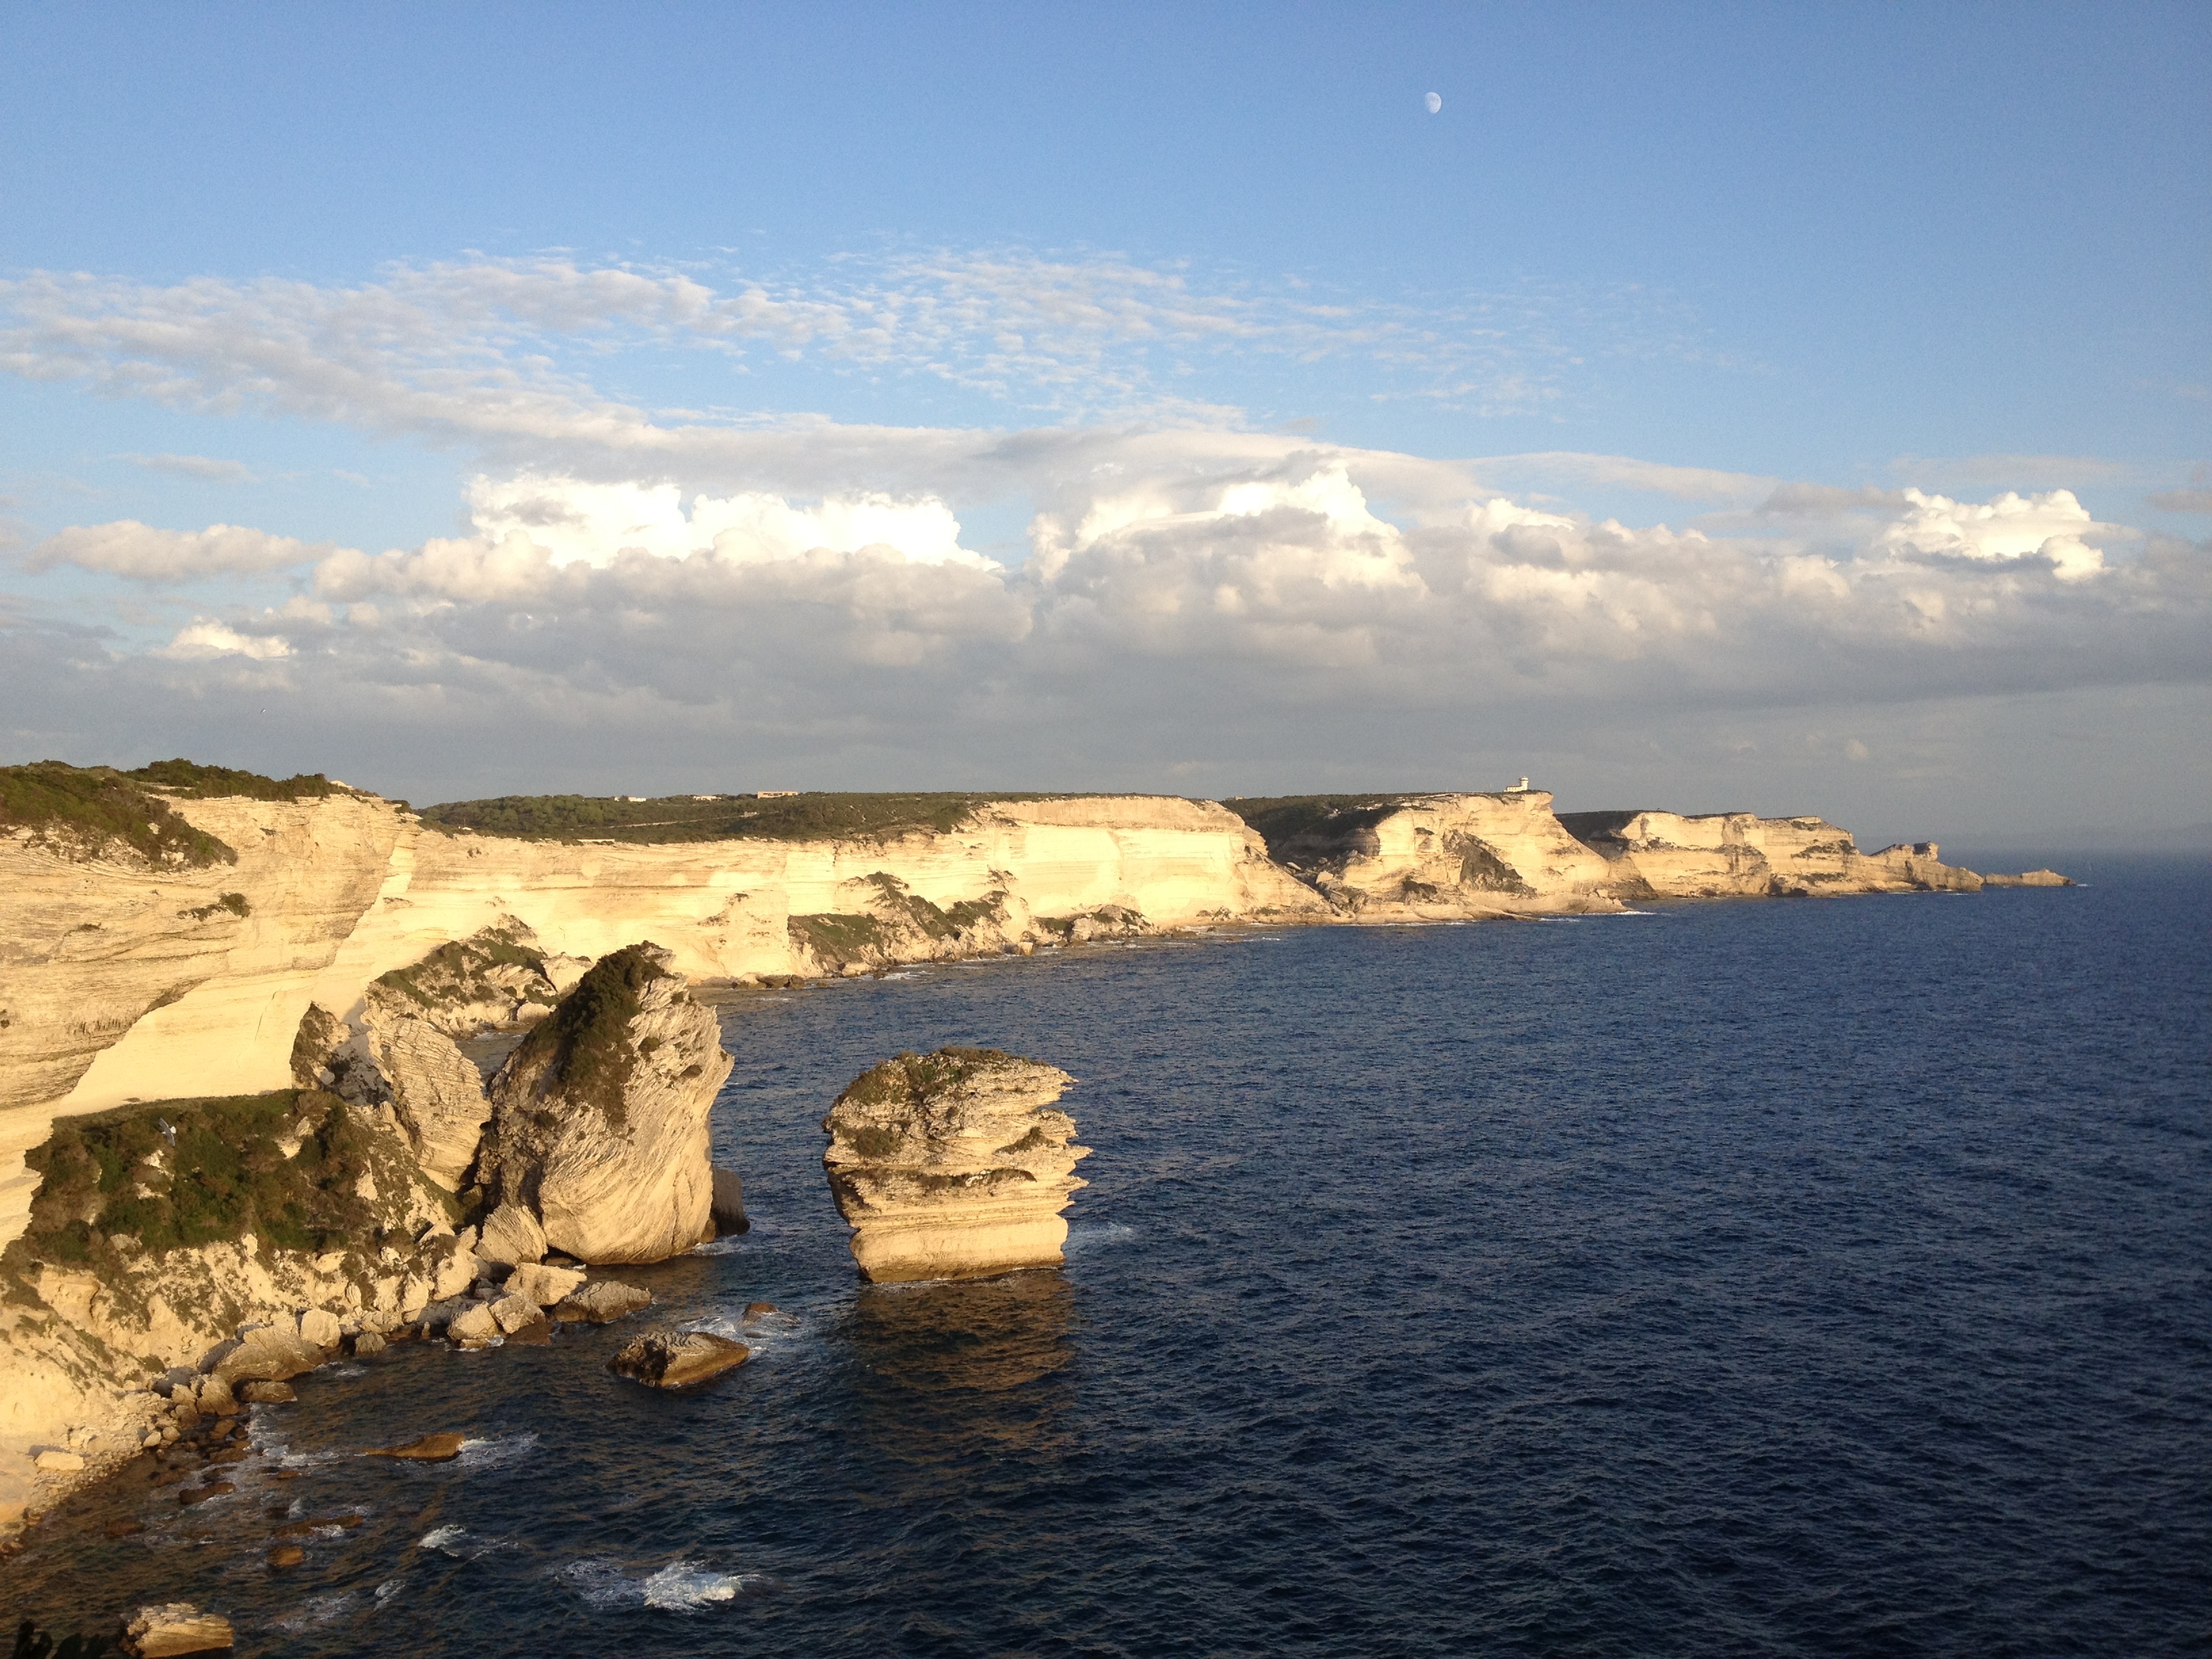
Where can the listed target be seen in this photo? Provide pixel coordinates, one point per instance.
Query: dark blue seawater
(1816, 1277)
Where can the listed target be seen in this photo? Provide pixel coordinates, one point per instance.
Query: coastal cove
(1688, 1279)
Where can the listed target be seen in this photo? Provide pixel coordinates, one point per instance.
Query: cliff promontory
(953, 1166)
(1740, 855)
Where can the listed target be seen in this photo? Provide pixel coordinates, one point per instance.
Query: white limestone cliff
(953, 1166)
(1741, 855)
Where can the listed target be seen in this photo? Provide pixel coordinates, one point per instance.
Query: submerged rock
(430, 1448)
(679, 1359)
(599, 1118)
(176, 1627)
(953, 1166)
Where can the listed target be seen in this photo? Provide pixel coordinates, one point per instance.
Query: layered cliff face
(1740, 855)
(599, 1120)
(953, 1166)
(1428, 857)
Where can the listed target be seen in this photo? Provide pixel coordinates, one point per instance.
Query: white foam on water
(347, 1370)
(317, 1610)
(389, 1587)
(679, 1587)
(495, 1453)
(459, 1543)
(1090, 1235)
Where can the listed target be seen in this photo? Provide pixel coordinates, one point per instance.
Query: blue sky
(346, 278)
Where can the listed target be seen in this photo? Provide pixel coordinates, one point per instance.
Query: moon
(1435, 100)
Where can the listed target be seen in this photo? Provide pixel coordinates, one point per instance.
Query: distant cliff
(182, 957)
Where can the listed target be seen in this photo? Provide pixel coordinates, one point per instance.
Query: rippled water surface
(1741, 1278)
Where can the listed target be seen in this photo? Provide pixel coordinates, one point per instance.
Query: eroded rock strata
(599, 1120)
(953, 1166)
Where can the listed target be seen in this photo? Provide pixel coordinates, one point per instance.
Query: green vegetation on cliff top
(284, 1168)
(86, 809)
(814, 815)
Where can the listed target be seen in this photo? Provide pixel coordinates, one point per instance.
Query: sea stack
(599, 1119)
(953, 1166)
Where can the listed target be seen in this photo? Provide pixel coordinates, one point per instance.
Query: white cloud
(143, 553)
(574, 520)
(202, 638)
(2050, 526)
(205, 467)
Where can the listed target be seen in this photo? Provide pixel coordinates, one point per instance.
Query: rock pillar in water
(599, 1119)
(953, 1166)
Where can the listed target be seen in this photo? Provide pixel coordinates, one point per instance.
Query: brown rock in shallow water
(953, 1166)
(601, 1304)
(286, 1555)
(173, 1628)
(759, 1310)
(268, 1393)
(124, 1529)
(679, 1359)
(201, 1494)
(430, 1448)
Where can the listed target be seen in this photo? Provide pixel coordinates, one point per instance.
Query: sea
(1781, 1278)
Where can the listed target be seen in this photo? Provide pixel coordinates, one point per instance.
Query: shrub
(86, 812)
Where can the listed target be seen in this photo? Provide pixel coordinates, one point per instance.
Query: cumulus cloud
(2049, 526)
(575, 521)
(202, 638)
(145, 554)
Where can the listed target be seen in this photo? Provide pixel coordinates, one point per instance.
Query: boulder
(175, 1627)
(215, 1397)
(512, 1313)
(603, 1303)
(268, 1393)
(512, 1236)
(543, 1285)
(728, 1210)
(267, 1353)
(430, 1448)
(953, 1166)
(53, 1461)
(599, 1118)
(368, 1343)
(320, 1326)
(475, 1326)
(678, 1359)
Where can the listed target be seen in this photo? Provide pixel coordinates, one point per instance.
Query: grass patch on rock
(285, 1168)
(583, 1048)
